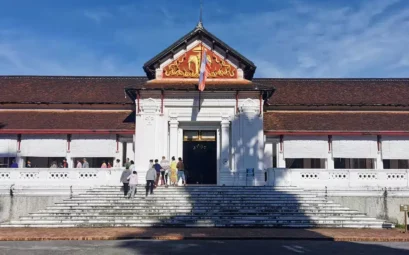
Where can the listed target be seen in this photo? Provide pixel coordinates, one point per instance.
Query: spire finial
(200, 24)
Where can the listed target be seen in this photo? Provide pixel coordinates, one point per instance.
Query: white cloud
(97, 15)
(320, 41)
(300, 40)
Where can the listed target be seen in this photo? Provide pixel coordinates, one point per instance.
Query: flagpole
(201, 56)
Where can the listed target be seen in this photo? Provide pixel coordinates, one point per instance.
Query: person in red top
(64, 163)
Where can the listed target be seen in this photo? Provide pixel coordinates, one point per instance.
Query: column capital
(173, 121)
(174, 124)
(225, 123)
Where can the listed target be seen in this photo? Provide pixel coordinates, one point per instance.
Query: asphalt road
(202, 247)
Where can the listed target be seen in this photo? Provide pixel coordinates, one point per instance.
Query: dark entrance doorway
(200, 156)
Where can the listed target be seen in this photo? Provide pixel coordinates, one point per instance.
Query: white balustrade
(338, 178)
(59, 177)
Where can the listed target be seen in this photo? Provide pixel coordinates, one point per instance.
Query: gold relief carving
(188, 65)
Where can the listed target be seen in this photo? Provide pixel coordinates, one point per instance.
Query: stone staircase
(199, 206)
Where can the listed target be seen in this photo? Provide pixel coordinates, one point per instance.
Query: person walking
(132, 166)
(124, 179)
(181, 171)
(127, 163)
(150, 180)
(173, 172)
(157, 167)
(133, 181)
(166, 168)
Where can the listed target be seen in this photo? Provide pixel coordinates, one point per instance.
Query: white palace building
(343, 139)
(311, 133)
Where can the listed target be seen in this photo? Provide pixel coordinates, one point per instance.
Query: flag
(203, 72)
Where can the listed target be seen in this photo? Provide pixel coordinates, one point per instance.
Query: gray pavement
(201, 247)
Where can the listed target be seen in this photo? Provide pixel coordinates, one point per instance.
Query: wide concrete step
(239, 225)
(195, 203)
(198, 206)
(189, 217)
(186, 198)
(211, 187)
(143, 225)
(133, 214)
(197, 212)
(165, 207)
(204, 223)
(208, 196)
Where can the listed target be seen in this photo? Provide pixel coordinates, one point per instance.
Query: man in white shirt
(166, 169)
(132, 167)
(117, 164)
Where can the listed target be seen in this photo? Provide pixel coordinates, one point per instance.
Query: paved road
(202, 247)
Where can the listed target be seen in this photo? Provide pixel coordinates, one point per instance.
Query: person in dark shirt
(181, 171)
(14, 164)
(157, 167)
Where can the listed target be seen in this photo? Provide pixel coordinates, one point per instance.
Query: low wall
(380, 203)
(11, 208)
(59, 177)
(338, 178)
(378, 207)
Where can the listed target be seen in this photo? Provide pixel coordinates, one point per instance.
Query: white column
(379, 162)
(280, 157)
(173, 137)
(21, 161)
(225, 146)
(330, 161)
(268, 155)
(69, 160)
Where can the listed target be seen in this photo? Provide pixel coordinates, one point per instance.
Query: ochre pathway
(38, 234)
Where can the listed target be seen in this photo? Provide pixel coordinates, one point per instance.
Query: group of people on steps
(163, 173)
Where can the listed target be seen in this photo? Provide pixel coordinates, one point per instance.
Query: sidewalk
(43, 234)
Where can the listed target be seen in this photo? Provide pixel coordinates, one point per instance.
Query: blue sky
(286, 39)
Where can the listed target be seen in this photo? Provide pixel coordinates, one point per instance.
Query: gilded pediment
(188, 65)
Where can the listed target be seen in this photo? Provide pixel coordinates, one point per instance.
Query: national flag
(203, 72)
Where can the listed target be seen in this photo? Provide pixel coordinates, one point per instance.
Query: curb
(181, 238)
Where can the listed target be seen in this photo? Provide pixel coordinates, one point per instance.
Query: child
(133, 181)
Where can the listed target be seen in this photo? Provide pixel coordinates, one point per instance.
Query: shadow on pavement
(263, 247)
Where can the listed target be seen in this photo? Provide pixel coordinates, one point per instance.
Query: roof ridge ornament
(200, 23)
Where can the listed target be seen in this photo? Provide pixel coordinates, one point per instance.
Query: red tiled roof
(67, 120)
(103, 90)
(299, 121)
(338, 91)
(65, 89)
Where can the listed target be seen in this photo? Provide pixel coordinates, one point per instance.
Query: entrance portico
(231, 106)
(237, 131)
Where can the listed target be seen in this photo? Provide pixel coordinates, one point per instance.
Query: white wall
(395, 147)
(43, 146)
(8, 145)
(305, 146)
(392, 147)
(93, 146)
(354, 147)
(56, 146)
